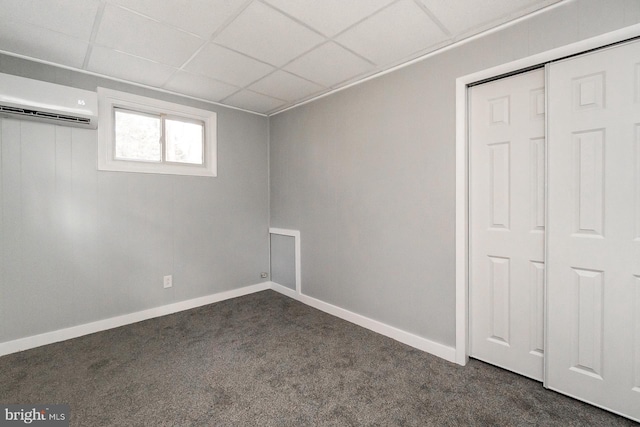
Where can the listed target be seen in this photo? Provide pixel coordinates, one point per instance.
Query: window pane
(137, 137)
(184, 141)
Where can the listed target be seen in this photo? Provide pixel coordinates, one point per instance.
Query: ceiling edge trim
(429, 54)
(115, 79)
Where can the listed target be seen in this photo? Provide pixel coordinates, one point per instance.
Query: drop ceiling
(259, 55)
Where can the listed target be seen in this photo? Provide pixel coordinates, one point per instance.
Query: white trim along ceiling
(262, 56)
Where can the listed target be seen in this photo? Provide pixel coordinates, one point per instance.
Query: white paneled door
(594, 228)
(507, 214)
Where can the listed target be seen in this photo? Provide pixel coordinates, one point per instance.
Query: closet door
(593, 341)
(506, 285)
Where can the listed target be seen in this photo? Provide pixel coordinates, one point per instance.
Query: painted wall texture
(79, 245)
(368, 174)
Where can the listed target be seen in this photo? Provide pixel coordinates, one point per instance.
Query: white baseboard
(285, 291)
(432, 347)
(437, 349)
(126, 319)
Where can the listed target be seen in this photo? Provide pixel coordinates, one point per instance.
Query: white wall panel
(636, 335)
(588, 151)
(500, 309)
(637, 179)
(536, 299)
(537, 183)
(588, 316)
(500, 169)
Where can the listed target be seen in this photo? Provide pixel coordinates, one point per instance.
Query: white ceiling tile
(285, 86)
(460, 17)
(124, 66)
(131, 33)
(393, 34)
(268, 35)
(150, 41)
(200, 87)
(253, 101)
(231, 67)
(329, 16)
(329, 65)
(26, 39)
(201, 17)
(71, 17)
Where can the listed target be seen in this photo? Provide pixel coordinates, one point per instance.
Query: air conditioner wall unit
(22, 98)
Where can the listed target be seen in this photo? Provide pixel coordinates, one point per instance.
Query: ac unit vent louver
(42, 114)
(22, 98)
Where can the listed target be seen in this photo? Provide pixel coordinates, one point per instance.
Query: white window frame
(109, 99)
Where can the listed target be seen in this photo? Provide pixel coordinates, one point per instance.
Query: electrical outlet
(168, 281)
(264, 275)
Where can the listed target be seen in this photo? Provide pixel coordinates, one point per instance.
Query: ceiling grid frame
(285, 84)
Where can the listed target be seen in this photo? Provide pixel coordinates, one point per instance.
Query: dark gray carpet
(266, 360)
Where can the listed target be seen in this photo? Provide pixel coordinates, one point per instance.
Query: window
(138, 134)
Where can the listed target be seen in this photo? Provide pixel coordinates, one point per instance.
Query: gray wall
(368, 174)
(78, 245)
